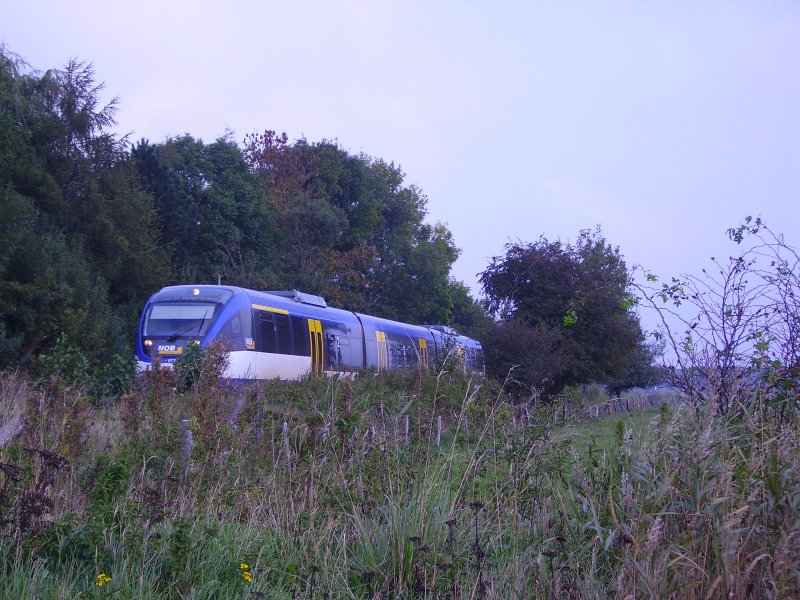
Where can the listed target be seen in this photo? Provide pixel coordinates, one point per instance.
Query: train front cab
(179, 316)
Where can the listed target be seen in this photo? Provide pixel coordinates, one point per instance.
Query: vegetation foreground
(339, 489)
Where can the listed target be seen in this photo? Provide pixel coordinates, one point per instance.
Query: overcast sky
(663, 122)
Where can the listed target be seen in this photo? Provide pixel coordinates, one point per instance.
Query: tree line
(91, 224)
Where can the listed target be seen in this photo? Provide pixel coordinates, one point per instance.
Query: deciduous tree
(78, 245)
(564, 312)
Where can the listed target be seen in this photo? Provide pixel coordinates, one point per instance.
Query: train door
(423, 354)
(383, 352)
(315, 337)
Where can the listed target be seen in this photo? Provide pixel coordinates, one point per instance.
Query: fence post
(286, 446)
(239, 399)
(188, 442)
(439, 430)
(406, 430)
(11, 429)
(326, 432)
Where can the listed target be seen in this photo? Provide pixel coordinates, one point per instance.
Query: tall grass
(317, 490)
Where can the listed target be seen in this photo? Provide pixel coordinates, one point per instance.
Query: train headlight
(148, 345)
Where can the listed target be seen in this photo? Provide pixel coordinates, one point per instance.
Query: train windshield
(178, 319)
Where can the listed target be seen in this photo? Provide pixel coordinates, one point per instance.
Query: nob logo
(166, 348)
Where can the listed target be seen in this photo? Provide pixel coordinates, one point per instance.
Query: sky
(663, 122)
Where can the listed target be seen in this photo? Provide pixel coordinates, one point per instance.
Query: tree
(211, 210)
(467, 315)
(564, 313)
(78, 237)
(89, 226)
(311, 227)
(353, 231)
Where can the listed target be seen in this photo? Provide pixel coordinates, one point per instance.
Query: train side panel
(395, 346)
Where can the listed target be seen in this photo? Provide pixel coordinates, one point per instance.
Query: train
(290, 335)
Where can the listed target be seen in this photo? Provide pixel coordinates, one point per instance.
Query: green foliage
(68, 364)
(564, 315)
(90, 226)
(211, 212)
(526, 503)
(201, 368)
(348, 228)
(189, 366)
(115, 377)
(179, 545)
(110, 483)
(74, 223)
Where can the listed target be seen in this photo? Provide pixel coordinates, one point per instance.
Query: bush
(66, 364)
(733, 332)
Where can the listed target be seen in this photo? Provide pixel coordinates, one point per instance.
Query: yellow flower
(244, 566)
(102, 579)
(247, 576)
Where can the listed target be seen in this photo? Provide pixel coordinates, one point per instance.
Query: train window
(237, 331)
(412, 356)
(234, 325)
(283, 334)
(333, 350)
(402, 356)
(231, 333)
(179, 319)
(267, 333)
(301, 336)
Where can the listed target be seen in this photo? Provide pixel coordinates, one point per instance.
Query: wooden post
(239, 399)
(325, 432)
(11, 429)
(439, 430)
(286, 446)
(188, 442)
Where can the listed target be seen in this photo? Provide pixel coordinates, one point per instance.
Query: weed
(315, 490)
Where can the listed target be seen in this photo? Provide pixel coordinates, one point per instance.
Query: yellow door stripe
(383, 353)
(280, 311)
(315, 338)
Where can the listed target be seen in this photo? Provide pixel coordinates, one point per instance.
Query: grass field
(315, 490)
(603, 434)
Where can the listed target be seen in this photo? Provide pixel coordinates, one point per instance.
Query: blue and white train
(289, 335)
